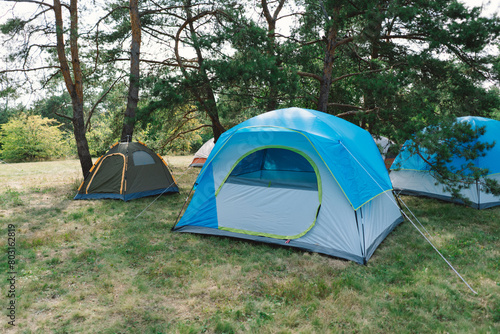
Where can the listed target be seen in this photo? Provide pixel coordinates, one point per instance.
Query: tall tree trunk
(374, 30)
(326, 78)
(133, 91)
(271, 28)
(73, 85)
(332, 43)
(207, 98)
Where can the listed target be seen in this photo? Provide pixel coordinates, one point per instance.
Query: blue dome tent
(297, 178)
(411, 175)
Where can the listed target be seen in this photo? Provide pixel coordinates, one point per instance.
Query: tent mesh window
(142, 158)
(275, 167)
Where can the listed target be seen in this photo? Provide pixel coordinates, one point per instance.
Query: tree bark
(332, 43)
(81, 139)
(374, 30)
(73, 85)
(271, 28)
(133, 91)
(207, 97)
(326, 78)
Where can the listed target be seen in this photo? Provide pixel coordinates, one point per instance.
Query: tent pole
(359, 235)
(478, 195)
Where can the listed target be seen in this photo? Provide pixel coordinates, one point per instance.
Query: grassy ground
(95, 267)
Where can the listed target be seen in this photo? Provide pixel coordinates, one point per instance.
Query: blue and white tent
(298, 178)
(411, 175)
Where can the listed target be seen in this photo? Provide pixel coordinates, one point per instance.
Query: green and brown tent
(127, 171)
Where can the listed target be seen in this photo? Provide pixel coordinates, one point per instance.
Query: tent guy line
(10, 165)
(411, 221)
(147, 207)
(183, 206)
(442, 256)
(413, 215)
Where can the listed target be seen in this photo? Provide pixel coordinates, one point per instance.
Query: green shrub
(32, 138)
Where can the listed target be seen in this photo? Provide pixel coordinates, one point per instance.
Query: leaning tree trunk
(207, 98)
(74, 84)
(210, 107)
(82, 145)
(133, 91)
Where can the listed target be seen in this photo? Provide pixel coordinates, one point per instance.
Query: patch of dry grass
(114, 267)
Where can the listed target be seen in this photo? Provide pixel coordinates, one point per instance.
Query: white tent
(384, 144)
(202, 154)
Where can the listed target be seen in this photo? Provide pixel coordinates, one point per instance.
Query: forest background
(175, 73)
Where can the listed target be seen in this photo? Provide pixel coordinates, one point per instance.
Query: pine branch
(309, 75)
(29, 69)
(101, 98)
(64, 116)
(41, 3)
(365, 72)
(358, 110)
(180, 134)
(418, 37)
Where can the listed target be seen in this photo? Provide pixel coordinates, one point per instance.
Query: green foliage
(174, 134)
(53, 106)
(12, 26)
(7, 92)
(438, 145)
(103, 133)
(10, 112)
(31, 138)
(437, 71)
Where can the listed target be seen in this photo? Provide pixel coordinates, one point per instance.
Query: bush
(32, 138)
